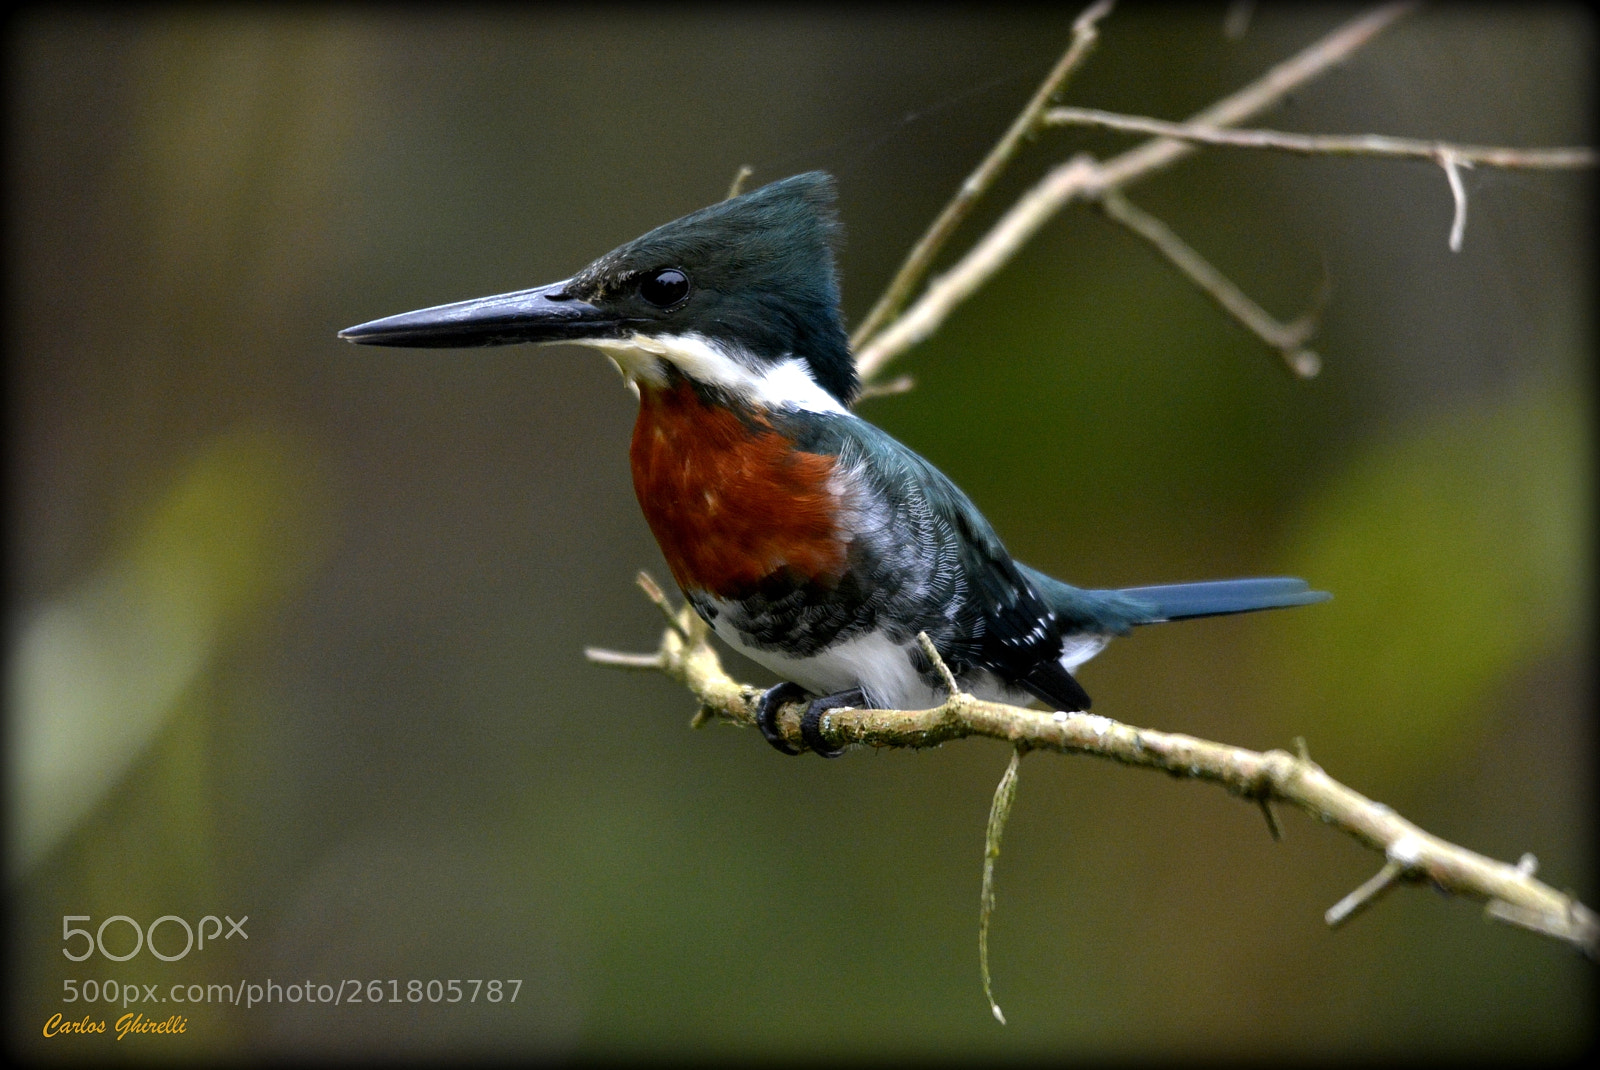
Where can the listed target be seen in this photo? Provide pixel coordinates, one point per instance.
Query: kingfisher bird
(807, 538)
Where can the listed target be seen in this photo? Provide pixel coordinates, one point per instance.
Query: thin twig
(652, 590)
(932, 652)
(1364, 896)
(622, 659)
(900, 384)
(1287, 338)
(1272, 820)
(991, 252)
(1450, 157)
(920, 260)
(740, 177)
(1005, 793)
(1084, 177)
(1567, 158)
(1511, 892)
(1452, 165)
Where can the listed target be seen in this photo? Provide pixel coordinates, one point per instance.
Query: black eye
(667, 288)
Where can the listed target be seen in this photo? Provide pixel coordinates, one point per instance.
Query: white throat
(786, 384)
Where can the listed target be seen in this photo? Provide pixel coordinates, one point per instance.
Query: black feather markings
(934, 550)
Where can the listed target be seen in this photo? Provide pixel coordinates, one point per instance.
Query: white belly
(884, 671)
(881, 668)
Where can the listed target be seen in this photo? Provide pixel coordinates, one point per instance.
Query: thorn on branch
(1364, 896)
(1272, 819)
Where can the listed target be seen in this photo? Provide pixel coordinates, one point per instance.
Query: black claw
(767, 709)
(811, 720)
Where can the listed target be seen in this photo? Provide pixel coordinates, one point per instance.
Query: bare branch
(1287, 338)
(920, 260)
(1082, 177)
(1448, 156)
(1569, 158)
(1511, 892)
(1267, 90)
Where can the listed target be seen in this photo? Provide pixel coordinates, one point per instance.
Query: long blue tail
(1180, 601)
(1118, 610)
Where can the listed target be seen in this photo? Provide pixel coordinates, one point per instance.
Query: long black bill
(543, 314)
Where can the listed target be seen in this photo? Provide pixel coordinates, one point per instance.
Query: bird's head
(740, 296)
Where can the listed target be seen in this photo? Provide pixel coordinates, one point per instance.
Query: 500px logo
(143, 938)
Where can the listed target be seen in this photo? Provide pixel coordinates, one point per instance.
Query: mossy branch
(1510, 892)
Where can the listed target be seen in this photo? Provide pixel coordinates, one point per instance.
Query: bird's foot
(811, 720)
(775, 698)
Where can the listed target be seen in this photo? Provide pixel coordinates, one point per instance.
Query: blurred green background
(295, 627)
